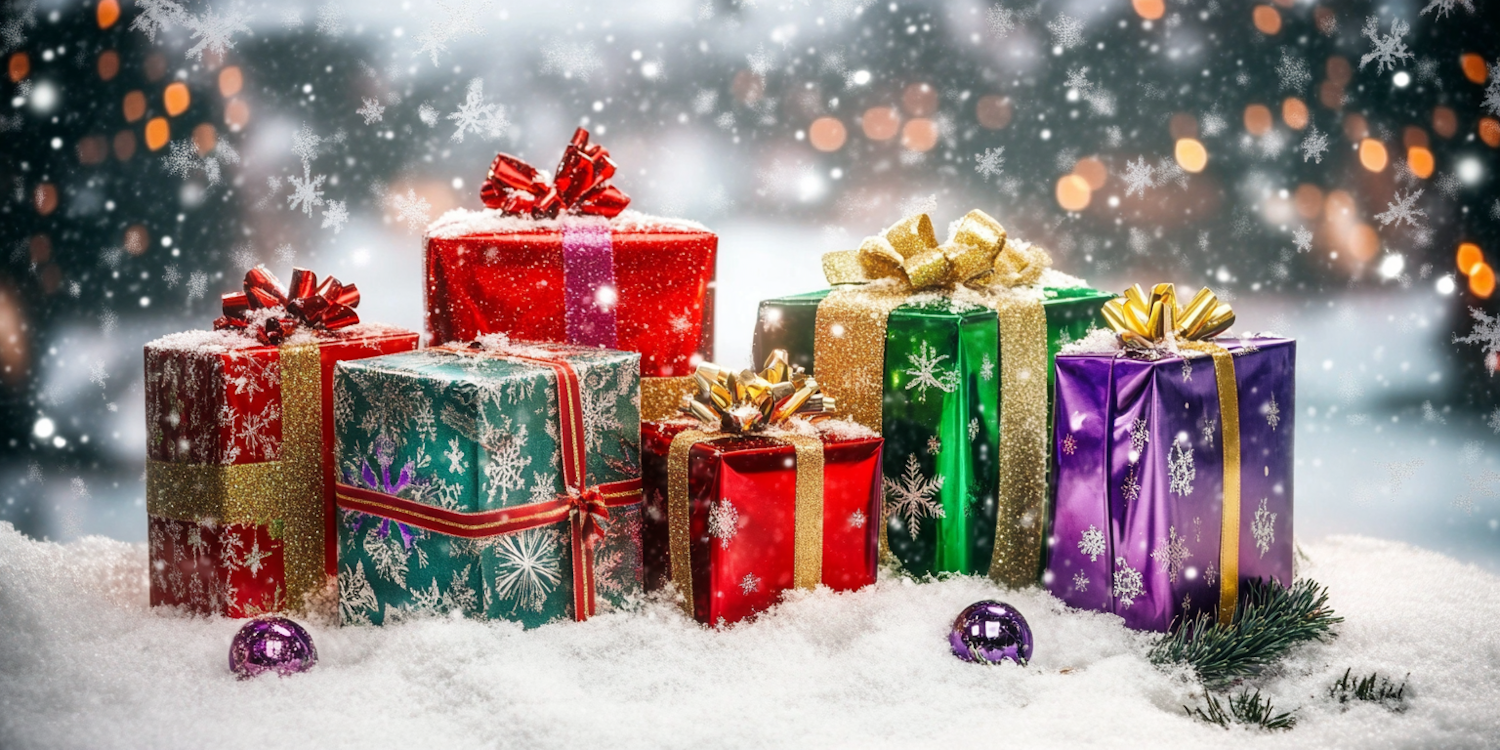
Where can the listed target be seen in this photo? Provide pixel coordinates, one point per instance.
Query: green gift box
(938, 371)
(496, 479)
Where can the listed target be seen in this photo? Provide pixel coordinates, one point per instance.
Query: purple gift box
(1139, 479)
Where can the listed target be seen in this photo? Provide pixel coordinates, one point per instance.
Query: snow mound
(85, 663)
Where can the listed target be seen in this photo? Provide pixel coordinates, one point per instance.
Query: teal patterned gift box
(497, 479)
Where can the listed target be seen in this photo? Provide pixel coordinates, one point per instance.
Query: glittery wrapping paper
(238, 476)
(472, 434)
(742, 529)
(1139, 480)
(942, 429)
(519, 283)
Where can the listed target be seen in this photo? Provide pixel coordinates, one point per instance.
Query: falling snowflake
(1138, 177)
(1303, 238)
(987, 367)
(1080, 581)
(336, 215)
(1000, 20)
(172, 276)
(305, 145)
(723, 522)
(1067, 31)
(428, 115)
(1293, 71)
(156, 15)
(1127, 582)
(973, 429)
(197, 285)
(1171, 553)
(991, 162)
(1449, 184)
(934, 445)
(1091, 543)
(1494, 421)
(1486, 335)
(571, 60)
(306, 192)
(749, 584)
(909, 499)
(1444, 7)
(1069, 445)
(413, 210)
(455, 18)
(1263, 528)
(925, 374)
(1388, 49)
(1181, 468)
(1273, 413)
(1314, 144)
(1130, 489)
(1492, 91)
(214, 32)
(1140, 434)
(1402, 209)
(373, 111)
(331, 19)
(528, 567)
(474, 116)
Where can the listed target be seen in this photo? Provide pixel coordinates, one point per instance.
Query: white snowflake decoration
(155, 15)
(1138, 177)
(1171, 553)
(1314, 144)
(305, 145)
(336, 215)
(1181, 469)
(1080, 581)
(1273, 413)
(1091, 543)
(373, 111)
(1494, 421)
(475, 116)
(1130, 489)
(1001, 20)
(455, 456)
(1388, 49)
(857, 519)
(934, 445)
(306, 192)
(571, 60)
(528, 567)
(1127, 582)
(925, 373)
(1140, 434)
(356, 597)
(723, 522)
(1444, 7)
(1069, 444)
(1263, 528)
(1491, 100)
(1293, 71)
(505, 466)
(991, 162)
(1402, 209)
(1067, 31)
(428, 115)
(749, 584)
(331, 19)
(412, 209)
(214, 32)
(913, 497)
(973, 428)
(1486, 335)
(1303, 238)
(987, 367)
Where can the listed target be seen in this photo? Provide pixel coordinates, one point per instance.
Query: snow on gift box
(565, 262)
(760, 493)
(497, 479)
(1173, 462)
(239, 423)
(943, 349)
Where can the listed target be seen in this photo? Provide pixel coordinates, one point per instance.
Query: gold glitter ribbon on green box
(850, 339)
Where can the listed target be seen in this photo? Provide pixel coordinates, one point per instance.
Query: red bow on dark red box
(328, 306)
(581, 186)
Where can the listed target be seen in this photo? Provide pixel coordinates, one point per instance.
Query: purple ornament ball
(271, 644)
(989, 632)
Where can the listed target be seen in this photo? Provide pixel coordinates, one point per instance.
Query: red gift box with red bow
(564, 261)
(239, 421)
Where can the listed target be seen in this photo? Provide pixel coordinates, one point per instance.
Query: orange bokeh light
(1363, 242)
(1191, 155)
(124, 145)
(1469, 256)
(1258, 119)
(1372, 154)
(993, 111)
(158, 132)
(176, 98)
(19, 66)
(1309, 200)
(1474, 68)
(205, 137)
(827, 134)
(1482, 281)
(1444, 121)
(1420, 160)
(109, 65)
(1149, 9)
(135, 106)
(1267, 20)
(107, 13)
(230, 81)
(919, 99)
(1294, 113)
(880, 123)
(236, 114)
(1489, 131)
(920, 134)
(1092, 171)
(1073, 193)
(45, 198)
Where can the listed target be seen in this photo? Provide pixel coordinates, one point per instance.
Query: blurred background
(1329, 167)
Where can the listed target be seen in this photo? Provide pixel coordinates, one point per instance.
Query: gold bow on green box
(977, 255)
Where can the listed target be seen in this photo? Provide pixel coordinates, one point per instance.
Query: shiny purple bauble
(990, 632)
(271, 644)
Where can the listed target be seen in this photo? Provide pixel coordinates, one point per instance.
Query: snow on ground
(85, 663)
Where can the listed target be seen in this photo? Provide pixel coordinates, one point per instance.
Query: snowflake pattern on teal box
(470, 434)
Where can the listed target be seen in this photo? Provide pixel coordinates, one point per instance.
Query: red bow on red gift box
(581, 185)
(328, 306)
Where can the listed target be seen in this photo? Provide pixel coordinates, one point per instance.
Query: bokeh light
(880, 123)
(1073, 192)
(1191, 155)
(827, 134)
(1420, 161)
(158, 132)
(1267, 20)
(1372, 154)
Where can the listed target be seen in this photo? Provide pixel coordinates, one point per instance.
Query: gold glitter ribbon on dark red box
(585, 507)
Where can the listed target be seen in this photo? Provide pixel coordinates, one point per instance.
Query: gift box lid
(231, 340)
(462, 222)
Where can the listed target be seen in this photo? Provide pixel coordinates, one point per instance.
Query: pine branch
(1269, 621)
(1374, 689)
(1247, 708)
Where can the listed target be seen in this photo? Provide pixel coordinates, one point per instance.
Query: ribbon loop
(328, 306)
(751, 401)
(977, 255)
(581, 185)
(1150, 320)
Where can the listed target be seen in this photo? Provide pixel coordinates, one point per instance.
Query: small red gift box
(564, 262)
(239, 420)
(748, 533)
